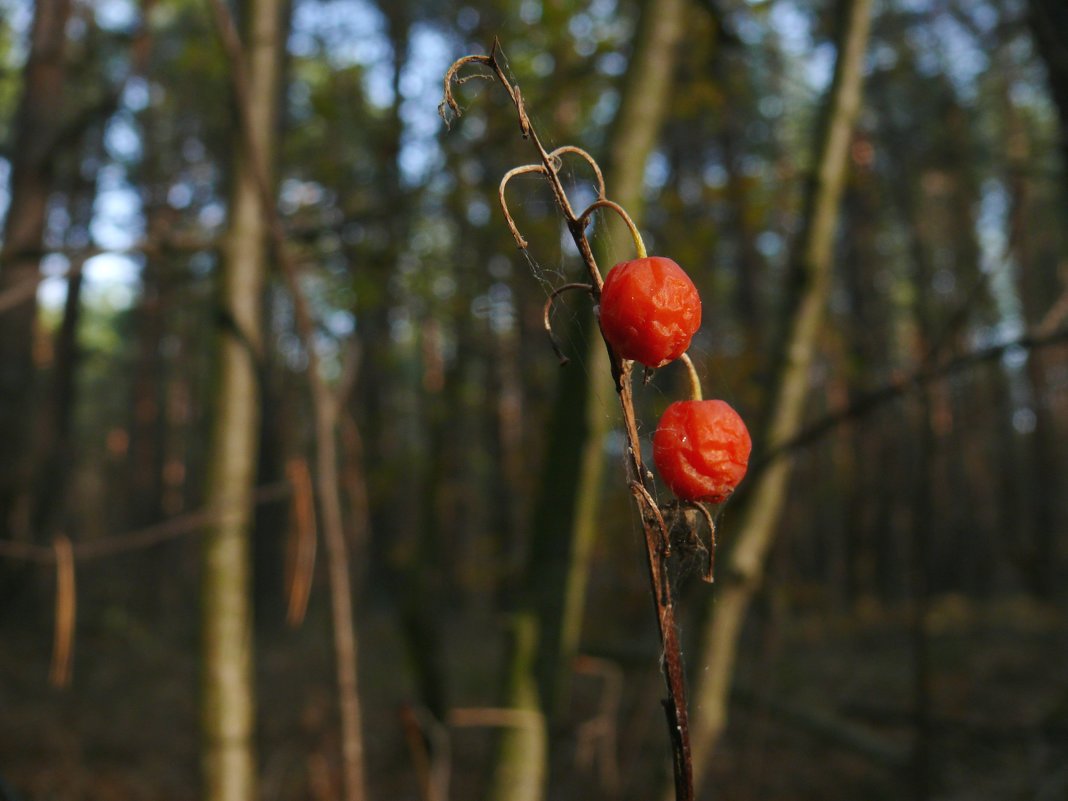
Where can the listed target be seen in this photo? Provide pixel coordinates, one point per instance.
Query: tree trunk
(764, 502)
(54, 448)
(1049, 26)
(1049, 22)
(522, 765)
(643, 107)
(228, 697)
(37, 126)
(565, 521)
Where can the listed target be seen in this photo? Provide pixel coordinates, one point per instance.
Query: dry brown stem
(578, 151)
(657, 540)
(66, 607)
(428, 742)
(526, 169)
(301, 545)
(548, 310)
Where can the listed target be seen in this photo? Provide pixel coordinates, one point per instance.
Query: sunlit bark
(740, 574)
(228, 705)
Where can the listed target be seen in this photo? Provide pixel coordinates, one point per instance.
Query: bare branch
(450, 78)
(548, 308)
(651, 507)
(526, 169)
(578, 151)
(528, 132)
(190, 523)
(868, 403)
(1054, 316)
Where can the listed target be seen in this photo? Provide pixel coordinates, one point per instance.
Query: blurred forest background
(254, 296)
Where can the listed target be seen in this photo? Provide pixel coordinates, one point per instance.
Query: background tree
(228, 696)
(810, 283)
(38, 129)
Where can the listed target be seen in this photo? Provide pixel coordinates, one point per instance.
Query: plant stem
(695, 380)
(639, 478)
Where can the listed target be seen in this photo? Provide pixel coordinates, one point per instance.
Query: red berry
(701, 449)
(650, 310)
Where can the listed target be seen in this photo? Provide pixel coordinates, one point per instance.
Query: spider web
(689, 547)
(530, 195)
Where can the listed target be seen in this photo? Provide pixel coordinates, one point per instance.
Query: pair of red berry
(649, 312)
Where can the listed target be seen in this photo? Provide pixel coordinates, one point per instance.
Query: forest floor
(823, 709)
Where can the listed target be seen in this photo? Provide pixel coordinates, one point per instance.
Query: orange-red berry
(701, 449)
(650, 310)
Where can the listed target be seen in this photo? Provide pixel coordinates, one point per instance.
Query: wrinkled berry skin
(650, 310)
(701, 449)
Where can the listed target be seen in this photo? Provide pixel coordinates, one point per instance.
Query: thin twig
(548, 310)
(871, 401)
(190, 523)
(66, 606)
(578, 151)
(1055, 315)
(520, 242)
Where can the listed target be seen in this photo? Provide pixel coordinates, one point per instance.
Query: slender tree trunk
(37, 125)
(414, 581)
(1049, 25)
(749, 264)
(522, 768)
(921, 528)
(566, 515)
(866, 345)
(147, 402)
(249, 98)
(144, 478)
(228, 696)
(376, 397)
(741, 575)
(53, 446)
(635, 130)
(920, 523)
